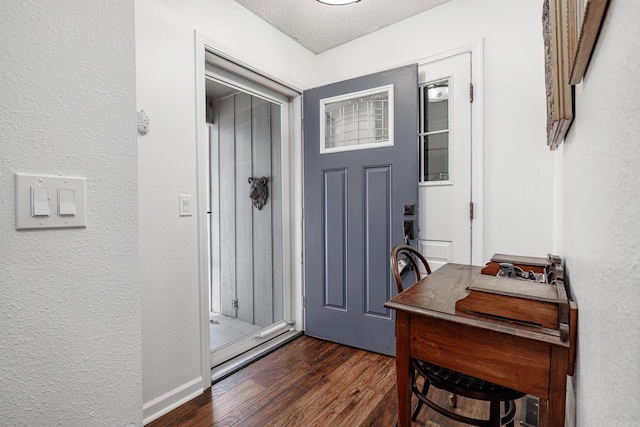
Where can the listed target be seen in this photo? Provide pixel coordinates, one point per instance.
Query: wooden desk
(530, 359)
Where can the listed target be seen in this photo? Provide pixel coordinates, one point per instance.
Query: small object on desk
(509, 270)
(535, 264)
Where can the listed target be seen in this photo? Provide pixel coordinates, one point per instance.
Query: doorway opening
(249, 283)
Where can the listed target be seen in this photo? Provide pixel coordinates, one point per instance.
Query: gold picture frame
(587, 17)
(556, 23)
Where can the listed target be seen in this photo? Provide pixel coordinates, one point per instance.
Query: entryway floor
(224, 330)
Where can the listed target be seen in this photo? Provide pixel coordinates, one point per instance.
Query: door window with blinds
(357, 121)
(434, 132)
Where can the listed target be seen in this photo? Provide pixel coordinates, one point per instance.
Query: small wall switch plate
(185, 205)
(46, 201)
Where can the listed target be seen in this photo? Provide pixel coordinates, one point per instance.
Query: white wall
(599, 223)
(70, 341)
(166, 90)
(518, 163)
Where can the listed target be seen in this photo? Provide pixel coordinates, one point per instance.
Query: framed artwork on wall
(555, 24)
(586, 18)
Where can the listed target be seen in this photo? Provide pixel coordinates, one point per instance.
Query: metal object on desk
(506, 298)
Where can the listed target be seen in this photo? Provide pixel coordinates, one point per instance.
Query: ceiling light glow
(338, 2)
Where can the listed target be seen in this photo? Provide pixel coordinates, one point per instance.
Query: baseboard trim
(171, 400)
(224, 370)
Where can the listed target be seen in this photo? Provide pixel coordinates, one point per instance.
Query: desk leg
(403, 369)
(543, 411)
(555, 407)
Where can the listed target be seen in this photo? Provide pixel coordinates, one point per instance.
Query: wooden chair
(404, 259)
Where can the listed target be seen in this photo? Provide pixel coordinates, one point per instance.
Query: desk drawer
(509, 360)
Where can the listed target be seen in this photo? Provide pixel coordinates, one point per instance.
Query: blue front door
(360, 173)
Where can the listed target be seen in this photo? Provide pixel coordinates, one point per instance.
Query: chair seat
(464, 385)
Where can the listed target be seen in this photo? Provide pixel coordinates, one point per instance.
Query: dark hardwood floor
(309, 382)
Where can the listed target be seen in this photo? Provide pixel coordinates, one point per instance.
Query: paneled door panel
(334, 234)
(360, 169)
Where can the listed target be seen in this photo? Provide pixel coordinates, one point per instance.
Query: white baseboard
(171, 400)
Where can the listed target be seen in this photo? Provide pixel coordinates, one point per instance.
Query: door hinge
(234, 303)
(471, 210)
(470, 92)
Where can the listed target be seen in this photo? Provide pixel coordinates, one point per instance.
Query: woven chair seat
(463, 384)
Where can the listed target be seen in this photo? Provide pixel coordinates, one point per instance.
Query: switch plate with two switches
(44, 201)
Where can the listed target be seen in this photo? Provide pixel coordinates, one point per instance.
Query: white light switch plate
(71, 213)
(185, 205)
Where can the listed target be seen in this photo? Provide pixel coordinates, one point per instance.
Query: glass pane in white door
(434, 131)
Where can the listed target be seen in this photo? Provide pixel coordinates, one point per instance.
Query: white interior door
(444, 195)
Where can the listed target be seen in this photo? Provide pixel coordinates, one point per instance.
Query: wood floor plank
(259, 411)
(320, 399)
(310, 382)
(237, 402)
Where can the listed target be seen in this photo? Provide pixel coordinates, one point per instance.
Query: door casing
(294, 214)
(291, 197)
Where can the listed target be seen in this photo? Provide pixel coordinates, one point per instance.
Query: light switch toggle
(40, 201)
(66, 201)
(185, 205)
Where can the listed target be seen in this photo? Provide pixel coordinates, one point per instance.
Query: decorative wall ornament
(259, 191)
(143, 123)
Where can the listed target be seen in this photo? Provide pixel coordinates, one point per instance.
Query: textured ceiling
(320, 27)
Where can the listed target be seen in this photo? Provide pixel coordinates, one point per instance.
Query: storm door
(245, 227)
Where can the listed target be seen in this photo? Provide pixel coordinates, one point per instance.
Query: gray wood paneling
(334, 235)
(214, 217)
(276, 203)
(262, 226)
(244, 208)
(247, 251)
(226, 140)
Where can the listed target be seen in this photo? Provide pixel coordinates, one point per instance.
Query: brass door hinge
(471, 92)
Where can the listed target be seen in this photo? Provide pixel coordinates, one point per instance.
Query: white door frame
(477, 141)
(291, 199)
